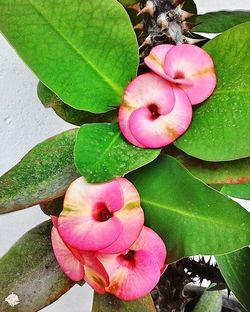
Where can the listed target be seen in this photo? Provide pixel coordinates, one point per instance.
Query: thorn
(162, 21)
(135, 7)
(149, 8)
(187, 26)
(185, 15)
(192, 41)
(139, 26)
(147, 41)
(181, 5)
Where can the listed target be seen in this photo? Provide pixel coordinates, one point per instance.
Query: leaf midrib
(118, 89)
(185, 214)
(112, 142)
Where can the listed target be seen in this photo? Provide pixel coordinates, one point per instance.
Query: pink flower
(188, 66)
(136, 272)
(105, 217)
(154, 112)
(78, 265)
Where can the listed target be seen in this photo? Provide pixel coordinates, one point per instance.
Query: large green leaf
(85, 51)
(109, 303)
(68, 113)
(43, 174)
(210, 301)
(220, 129)
(30, 271)
(191, 217)
(237, 190)
(102, 153)
(226, 172)
(216, 22)
(235, 268)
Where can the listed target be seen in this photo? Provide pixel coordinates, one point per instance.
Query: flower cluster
(157, 106)
(100, 237)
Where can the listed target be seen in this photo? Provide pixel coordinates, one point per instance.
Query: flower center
(129, 255)
(154, 111)
(102, 213)
(179, 75)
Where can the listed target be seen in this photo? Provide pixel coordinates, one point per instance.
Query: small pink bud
(188, 66)
(104, 216)
(135, 272)
(153, 113)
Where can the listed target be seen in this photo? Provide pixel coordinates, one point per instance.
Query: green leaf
(190, 6)
(102, 153)
(235, 268)
(68, 113)
(226, 172)
(30, 271)
(109, 303)
(84, 51)
(210, 301)
(216, 22)
(43, 174)
(191, 217)
(220, 128)
(237, 190)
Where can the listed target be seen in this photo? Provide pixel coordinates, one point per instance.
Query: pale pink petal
(151, 241)
(87, 234)
(123, 117)
(131, 217)
(147, 90)
(156, 58)
(188, 63)
(95, 273)
(69, 264)
(163, 130)
(88, 214)
(130, 280)
(111, 194)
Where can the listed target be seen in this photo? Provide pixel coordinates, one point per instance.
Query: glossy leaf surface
(237, 190)
(109, 303)
(30, 271)
(210, 172)
(190, 217)
(220, 128)
(235, 268)
(68, 113)
(43, 174)
(84, 51)
(216, 22)
(102, 153)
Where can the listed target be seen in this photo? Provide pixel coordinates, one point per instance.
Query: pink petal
(144, 91)
(188, 63)
(156, 58)
(154, 133)
(88, 214)
(150, 241)
(131, 217)
(132, 281)
(111, 194)
(69, 264)
(95, 273)
(82, 232)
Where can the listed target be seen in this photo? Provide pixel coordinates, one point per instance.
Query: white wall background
(24, 123)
